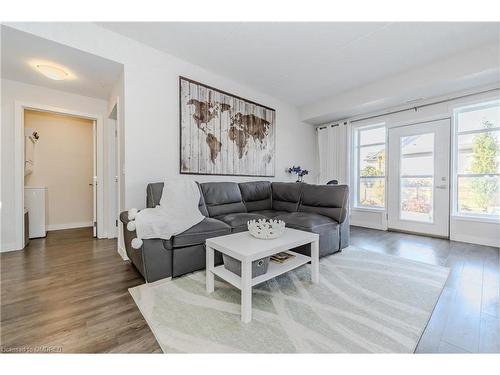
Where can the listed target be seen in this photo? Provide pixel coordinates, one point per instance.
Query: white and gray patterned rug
(365, 303)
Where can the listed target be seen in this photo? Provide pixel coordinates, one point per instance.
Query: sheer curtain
(334, 149)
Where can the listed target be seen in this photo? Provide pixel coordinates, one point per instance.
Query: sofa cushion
(257, 195)
(154, 192)
(200, 232)
(327, 200)
(327, 228)
(222, 198)
(270, 214)
(238, 221)
(306, 220)
(286, 196)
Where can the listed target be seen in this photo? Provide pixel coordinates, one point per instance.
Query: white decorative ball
(266, 229)
(131, 226)
(136, 243)
(132, 213)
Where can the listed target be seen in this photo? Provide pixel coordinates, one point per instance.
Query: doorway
(60, 166)
(419, 189)
(97, 167)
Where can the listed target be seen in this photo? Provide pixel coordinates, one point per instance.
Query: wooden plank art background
(222, 134)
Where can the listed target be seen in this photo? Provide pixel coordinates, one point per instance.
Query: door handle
(441, 186)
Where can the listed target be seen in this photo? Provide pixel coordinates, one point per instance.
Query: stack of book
(281, 257)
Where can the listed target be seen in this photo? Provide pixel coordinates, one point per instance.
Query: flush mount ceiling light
(52, 72)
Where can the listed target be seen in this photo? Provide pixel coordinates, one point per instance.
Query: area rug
(366, 302)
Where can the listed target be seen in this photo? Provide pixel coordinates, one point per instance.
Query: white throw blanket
(177, 212)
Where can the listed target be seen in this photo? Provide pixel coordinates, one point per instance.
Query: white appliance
(35, 199)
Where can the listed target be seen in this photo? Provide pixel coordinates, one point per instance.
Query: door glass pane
(479, 153)
(416, 199)
(372, 161)
(417, 155)
(416, 177)
(479, 195)
(371, 192)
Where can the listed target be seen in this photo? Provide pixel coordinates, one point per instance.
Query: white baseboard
(364, 224)
(9, 247)
(84, 224)
(113, 233)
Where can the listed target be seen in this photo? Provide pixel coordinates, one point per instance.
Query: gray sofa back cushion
(153, 197)
(286, 196)
(153, 194)
(326, 200)
(222, 198)
(257, 195)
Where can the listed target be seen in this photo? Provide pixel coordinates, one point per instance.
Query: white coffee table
(246, 248)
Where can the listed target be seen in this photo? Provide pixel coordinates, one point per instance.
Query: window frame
(455, 212)
(356, 147)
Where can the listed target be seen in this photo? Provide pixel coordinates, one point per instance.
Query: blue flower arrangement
(299, 172)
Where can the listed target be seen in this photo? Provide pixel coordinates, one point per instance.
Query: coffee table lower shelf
(273, 270)
(245, 248)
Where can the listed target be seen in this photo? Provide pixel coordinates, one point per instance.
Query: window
(477, 160)
(416, 177)
(369, 169)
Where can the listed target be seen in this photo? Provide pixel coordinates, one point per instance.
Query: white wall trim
(365, 224)
(9, 247)
(121, 251)
(69, 225)
(19, 163)
(113, 231)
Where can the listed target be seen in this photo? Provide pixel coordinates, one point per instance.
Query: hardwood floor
(68, 293)
(467, 315)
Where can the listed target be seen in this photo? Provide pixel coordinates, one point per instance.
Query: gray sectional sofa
(227, 206)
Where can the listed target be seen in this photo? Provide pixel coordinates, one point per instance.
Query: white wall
(461, 229)
(468, 69)
(151, 106)
(16, 91)
(63, 162)
(151, 109)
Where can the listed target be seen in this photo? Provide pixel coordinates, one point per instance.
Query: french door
(419, 189)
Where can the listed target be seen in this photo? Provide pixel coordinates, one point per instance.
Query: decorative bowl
(266, 229)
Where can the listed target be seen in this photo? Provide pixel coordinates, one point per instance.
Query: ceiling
(90, 75)
(303, 62)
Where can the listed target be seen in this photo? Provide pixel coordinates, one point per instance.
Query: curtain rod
(426, 105)
(330, 126)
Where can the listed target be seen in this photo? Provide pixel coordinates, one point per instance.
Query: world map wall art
(223, 134)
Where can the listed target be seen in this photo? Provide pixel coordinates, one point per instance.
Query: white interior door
(94, 179)
(113, 179)
(419, 188)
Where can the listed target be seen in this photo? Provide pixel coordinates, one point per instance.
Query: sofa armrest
(152, 259)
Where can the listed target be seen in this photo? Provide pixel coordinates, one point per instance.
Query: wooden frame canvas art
(223, 134)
